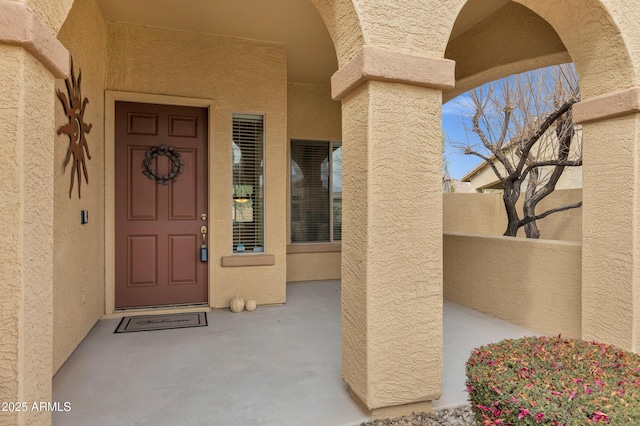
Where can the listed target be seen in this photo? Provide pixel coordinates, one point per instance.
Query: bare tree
(526, 135)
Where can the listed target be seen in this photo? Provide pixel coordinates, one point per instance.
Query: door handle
(203, 231)
(204, 252)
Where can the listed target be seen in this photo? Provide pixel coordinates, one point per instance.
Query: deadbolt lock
(203, 216)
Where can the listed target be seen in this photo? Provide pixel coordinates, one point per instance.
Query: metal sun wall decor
(76, 128)
(174, 157)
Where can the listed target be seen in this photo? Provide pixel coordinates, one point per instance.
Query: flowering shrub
(553, 381)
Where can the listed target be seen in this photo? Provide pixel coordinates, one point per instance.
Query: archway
(598, 45)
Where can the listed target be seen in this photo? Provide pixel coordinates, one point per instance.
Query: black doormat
(161, 322)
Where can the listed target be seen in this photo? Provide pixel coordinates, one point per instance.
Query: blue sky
(454, 115)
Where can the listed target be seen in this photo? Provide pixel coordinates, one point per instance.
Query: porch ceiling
(311, 57)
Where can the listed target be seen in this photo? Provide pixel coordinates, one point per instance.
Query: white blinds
(248, 183)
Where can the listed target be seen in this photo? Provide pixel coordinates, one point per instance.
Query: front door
(161, 205)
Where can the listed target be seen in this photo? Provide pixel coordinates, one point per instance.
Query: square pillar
(611, 231)
(392, 246)
(26, 226)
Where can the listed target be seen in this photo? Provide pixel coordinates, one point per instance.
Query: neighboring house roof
(454, 185)
(476, 169)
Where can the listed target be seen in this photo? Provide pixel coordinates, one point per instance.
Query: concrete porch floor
(278, 365)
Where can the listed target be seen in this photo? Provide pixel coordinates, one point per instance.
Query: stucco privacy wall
(311, 114)
(535, 284)
(240, 76)
(485, 214)
(26, 226)
(78, 293)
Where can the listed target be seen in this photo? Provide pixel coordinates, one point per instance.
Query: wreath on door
(174, 157)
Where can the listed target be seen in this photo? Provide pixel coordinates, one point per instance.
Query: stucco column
(392, 231)
(30, 59)
(610, 218)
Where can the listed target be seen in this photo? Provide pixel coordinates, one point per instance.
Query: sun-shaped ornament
(76, 129)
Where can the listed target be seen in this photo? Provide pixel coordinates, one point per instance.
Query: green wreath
(174, 157)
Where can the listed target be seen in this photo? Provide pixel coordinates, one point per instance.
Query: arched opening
(262, 72)
(586, 28)
(511, 37)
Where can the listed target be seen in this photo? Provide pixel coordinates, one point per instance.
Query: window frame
(314, 246)
(235, 115)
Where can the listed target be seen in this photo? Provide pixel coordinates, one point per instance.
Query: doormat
(161, 322)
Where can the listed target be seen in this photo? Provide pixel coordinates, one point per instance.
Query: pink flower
(599, 416)
(523, 412)
(539, 417)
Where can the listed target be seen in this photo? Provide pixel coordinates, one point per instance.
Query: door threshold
(157, 310)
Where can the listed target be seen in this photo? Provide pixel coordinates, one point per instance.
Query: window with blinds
(248, 183)
(316, 191)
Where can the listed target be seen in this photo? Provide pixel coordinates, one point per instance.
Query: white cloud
(460, 106)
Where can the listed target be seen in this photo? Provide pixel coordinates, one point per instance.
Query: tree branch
(551, 118)
(567, 163)
(528, 219)
(487, 160)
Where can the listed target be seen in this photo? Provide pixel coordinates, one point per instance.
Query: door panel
(158, 236)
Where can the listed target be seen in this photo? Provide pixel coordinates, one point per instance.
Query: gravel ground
(461, 416)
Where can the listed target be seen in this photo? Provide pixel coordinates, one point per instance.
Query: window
(316, 191)
(248, 183)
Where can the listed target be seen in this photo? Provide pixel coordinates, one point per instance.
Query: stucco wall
(473, 213)
(485, 214)
(240, 76)
(26, 185)
(313, 266)
(312, 114)
(391, 292)
(511, 40)
(78, 295)
(535, 284)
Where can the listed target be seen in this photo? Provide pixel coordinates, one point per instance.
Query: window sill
(249, 260)
(314, 248)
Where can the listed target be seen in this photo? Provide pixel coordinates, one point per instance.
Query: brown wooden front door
(158, 223)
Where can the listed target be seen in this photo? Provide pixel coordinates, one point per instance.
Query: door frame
(111, 97)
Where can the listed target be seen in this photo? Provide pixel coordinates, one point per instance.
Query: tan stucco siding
(311, 114)
(594, 40)
(473, 213)
(510, 41)
(610, 238)
(391, 297)
(52, 13)
(239, 76)
(313, 266)
(535, 284)
(11, 225)
(26, 185)
(343, 24)
(421, 29)
(78, 295)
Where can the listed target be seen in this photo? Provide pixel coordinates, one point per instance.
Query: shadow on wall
(533, 283)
